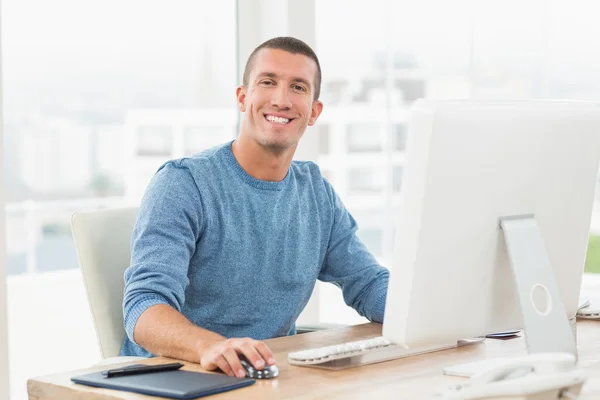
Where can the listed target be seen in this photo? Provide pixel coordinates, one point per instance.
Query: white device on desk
(493, 227)
(589, 310)
(535, 376)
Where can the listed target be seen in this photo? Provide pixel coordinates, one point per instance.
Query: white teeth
(278, 120)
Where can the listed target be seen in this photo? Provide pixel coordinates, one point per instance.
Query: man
(229, 244)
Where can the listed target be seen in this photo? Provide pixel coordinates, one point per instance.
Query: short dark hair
(291, 45)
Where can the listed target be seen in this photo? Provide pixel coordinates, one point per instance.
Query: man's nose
(281, 98)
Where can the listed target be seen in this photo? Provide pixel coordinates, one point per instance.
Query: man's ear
(240, 94)
(317, 108)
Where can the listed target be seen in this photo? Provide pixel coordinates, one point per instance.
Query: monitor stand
(546, 324)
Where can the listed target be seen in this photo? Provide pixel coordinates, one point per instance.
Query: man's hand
(224, 355)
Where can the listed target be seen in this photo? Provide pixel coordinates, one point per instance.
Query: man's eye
(267, 83)
(298, 87)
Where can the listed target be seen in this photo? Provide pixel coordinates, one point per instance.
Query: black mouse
(268, 372)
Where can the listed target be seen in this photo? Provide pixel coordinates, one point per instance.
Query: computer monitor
(494, 221)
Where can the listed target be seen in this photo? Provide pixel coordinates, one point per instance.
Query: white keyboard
(364, 352)
(329, 353)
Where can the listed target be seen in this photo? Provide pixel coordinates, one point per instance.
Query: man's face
(278, 102)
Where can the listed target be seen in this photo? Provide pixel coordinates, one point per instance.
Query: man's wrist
(204, 344)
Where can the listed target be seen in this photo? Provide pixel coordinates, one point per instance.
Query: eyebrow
(274, 75)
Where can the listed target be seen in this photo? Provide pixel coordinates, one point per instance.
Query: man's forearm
(164, 331)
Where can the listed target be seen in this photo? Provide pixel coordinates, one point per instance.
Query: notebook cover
(173, 384)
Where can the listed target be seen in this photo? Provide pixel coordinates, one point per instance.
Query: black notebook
(173, 384)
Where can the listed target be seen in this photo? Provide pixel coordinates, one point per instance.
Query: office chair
(102, 239)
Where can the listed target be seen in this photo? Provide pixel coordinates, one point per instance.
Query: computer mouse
(268, 372)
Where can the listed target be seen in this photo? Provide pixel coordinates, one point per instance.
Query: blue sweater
(240, 256)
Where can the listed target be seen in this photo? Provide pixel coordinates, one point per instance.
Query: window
(464, 50)
(96, 95)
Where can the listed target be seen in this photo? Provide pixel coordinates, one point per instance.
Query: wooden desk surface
(417, 377)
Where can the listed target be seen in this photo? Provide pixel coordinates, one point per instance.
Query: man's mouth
(278, 120)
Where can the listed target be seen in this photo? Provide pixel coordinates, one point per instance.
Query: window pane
(365, 180)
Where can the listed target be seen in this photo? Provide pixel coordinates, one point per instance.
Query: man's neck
(259, 162)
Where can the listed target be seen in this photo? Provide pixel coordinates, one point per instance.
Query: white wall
(3, 312)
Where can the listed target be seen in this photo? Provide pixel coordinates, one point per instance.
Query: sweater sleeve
(349, 265)
(163, 241)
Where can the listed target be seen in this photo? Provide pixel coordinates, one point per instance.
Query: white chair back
(103, 239)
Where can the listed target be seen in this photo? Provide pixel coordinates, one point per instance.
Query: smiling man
(229, 244)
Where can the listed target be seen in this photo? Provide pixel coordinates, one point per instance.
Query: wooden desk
(417, 377)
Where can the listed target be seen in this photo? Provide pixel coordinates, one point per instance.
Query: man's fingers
(265, 352)
(249, 350)
(223, 365)
(234, 362)
(225, 356)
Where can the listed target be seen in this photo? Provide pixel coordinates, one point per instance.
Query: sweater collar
(250, 180)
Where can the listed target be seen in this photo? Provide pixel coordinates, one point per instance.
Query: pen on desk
(142, 369)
